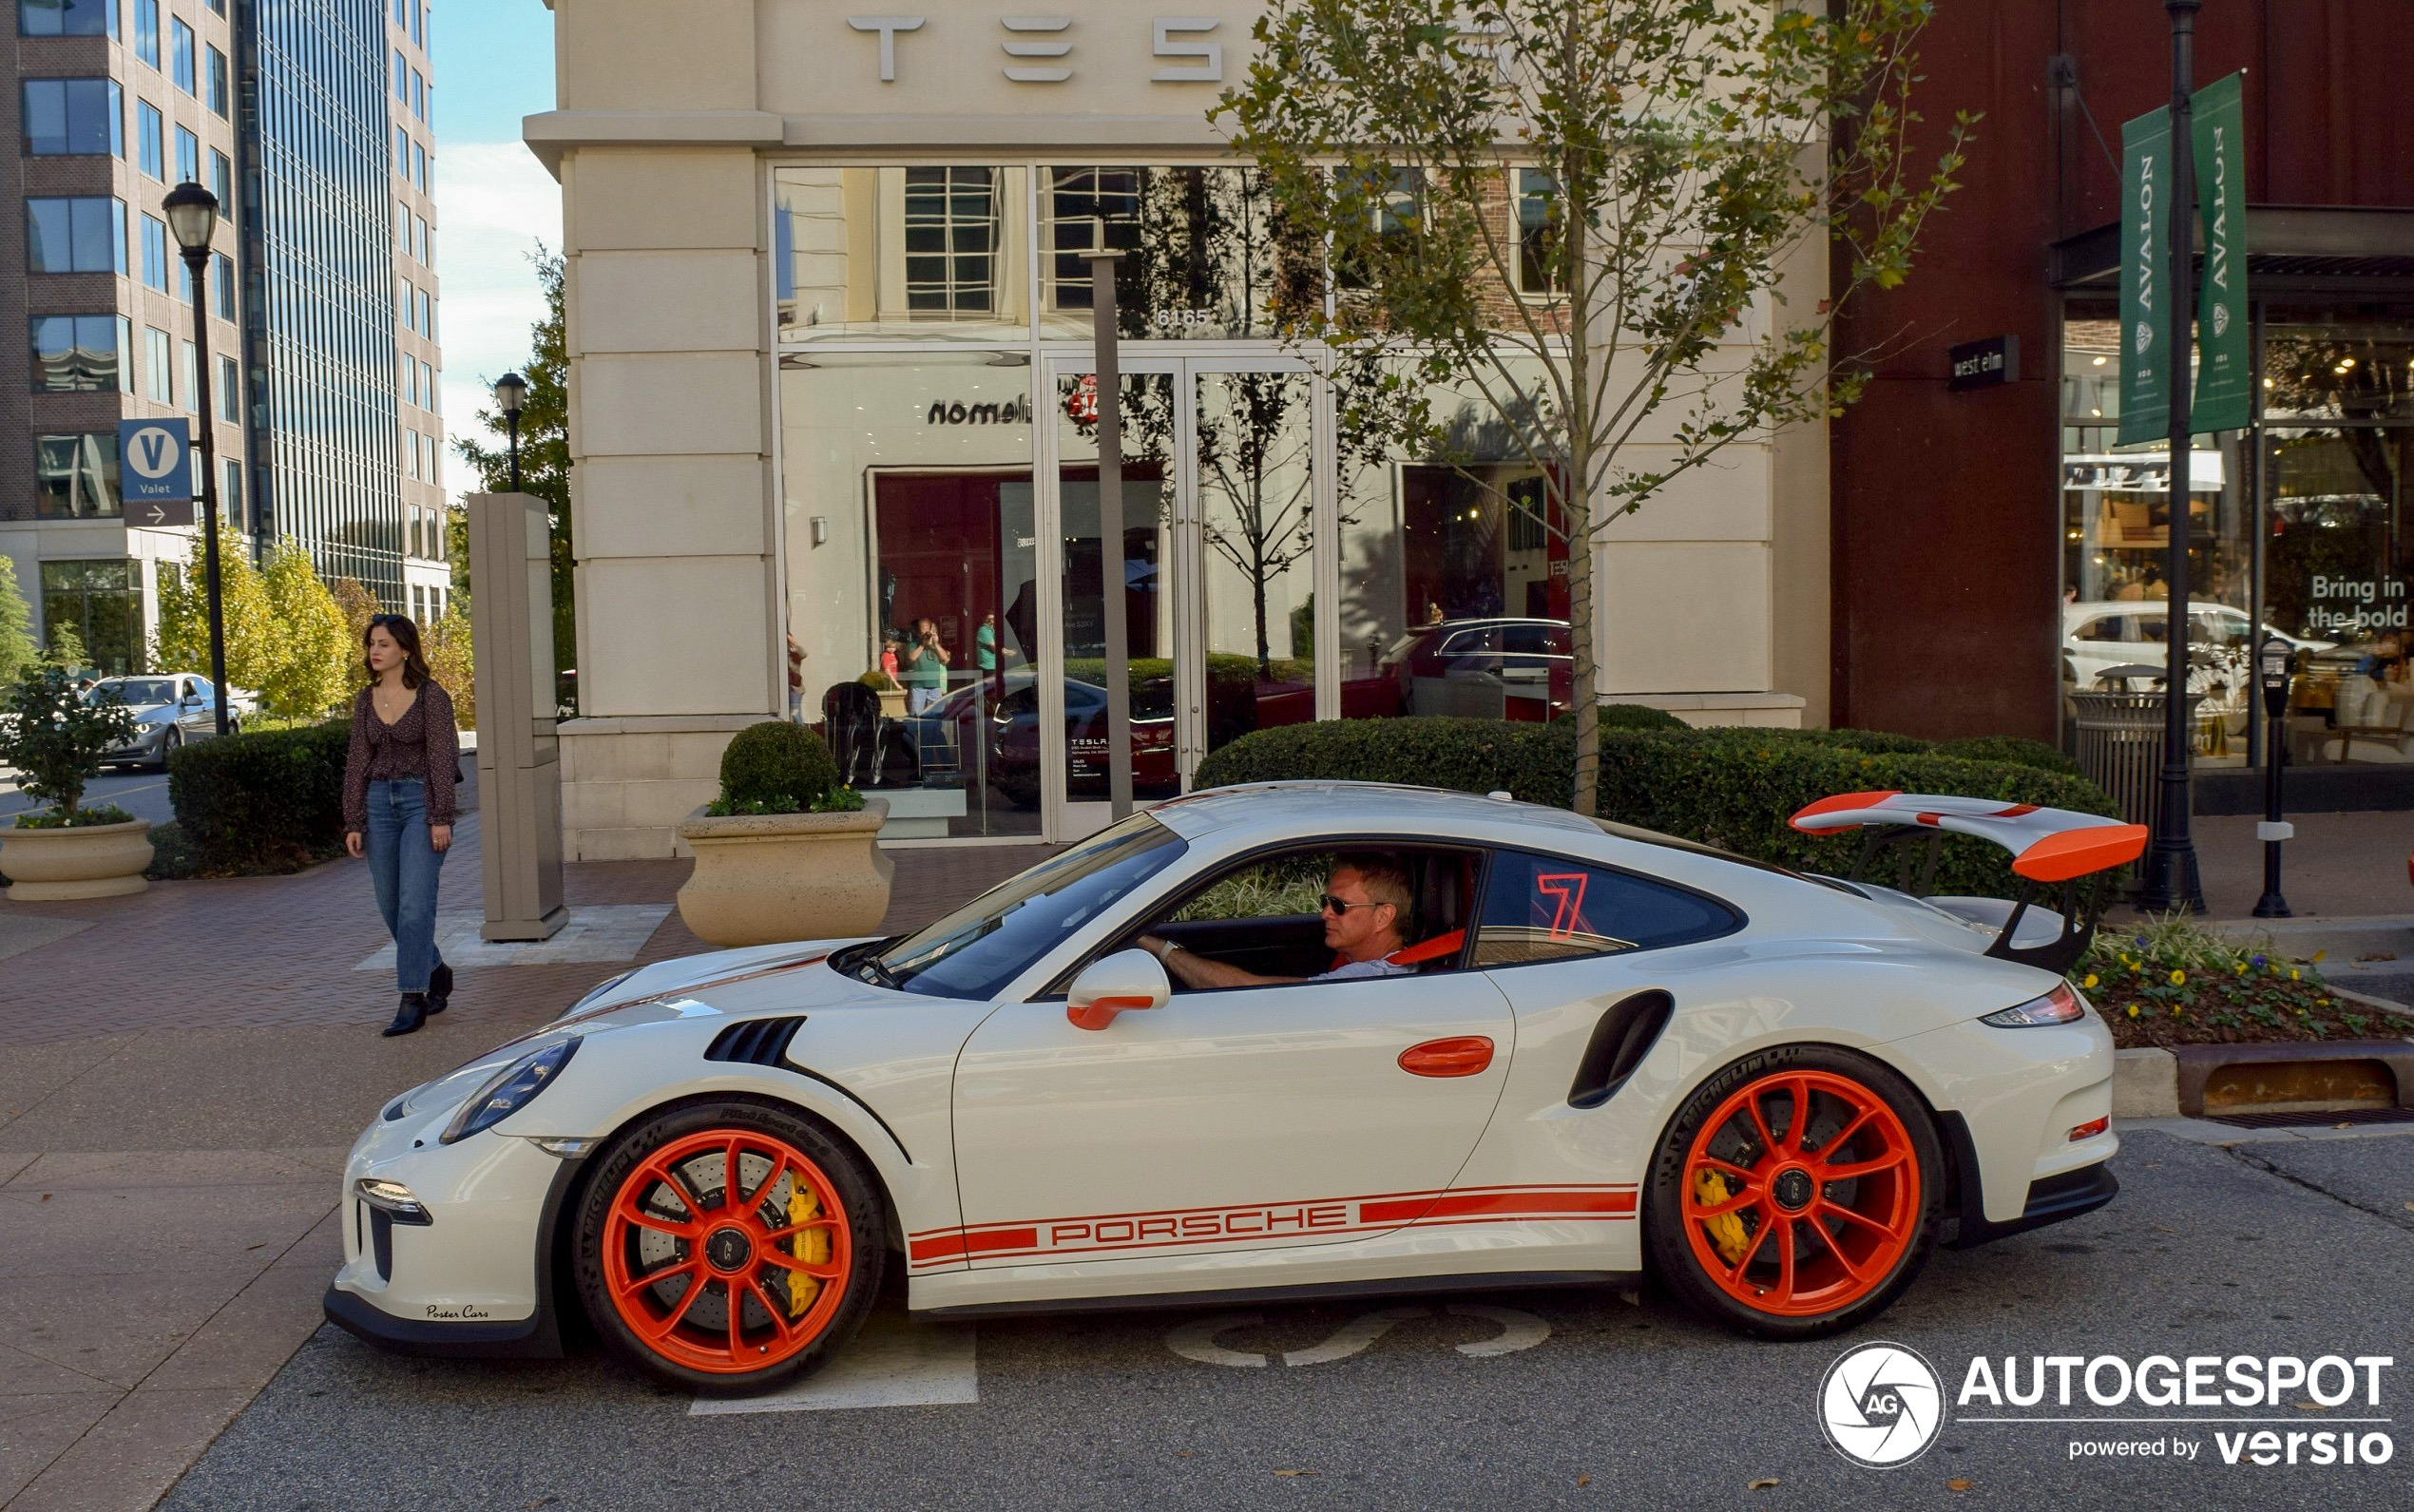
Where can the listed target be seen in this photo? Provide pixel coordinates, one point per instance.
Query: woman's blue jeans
(403, 868)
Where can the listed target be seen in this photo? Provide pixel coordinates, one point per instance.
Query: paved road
(141, 794)
(2260, 1250)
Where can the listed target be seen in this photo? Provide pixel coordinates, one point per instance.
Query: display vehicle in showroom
(1600, 1052)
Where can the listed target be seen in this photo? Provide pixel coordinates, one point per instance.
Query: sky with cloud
(495, 203)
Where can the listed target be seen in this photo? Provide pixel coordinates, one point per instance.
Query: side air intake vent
(1624, 1037)
(756, 1041)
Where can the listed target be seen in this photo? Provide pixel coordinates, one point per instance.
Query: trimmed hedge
(1732, 788)
(2010, 748)
(273, 801)
(1634, 716)
(782, 766)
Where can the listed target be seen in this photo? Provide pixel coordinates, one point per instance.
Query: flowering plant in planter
(2170, 981)
(57, 737)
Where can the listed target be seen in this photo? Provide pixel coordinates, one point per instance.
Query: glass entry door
(1218, 566)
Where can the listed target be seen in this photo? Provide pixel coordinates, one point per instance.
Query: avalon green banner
(2146, 198)
(2224, 365)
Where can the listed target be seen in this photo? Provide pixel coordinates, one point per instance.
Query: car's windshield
(981, 947)
(138, 690)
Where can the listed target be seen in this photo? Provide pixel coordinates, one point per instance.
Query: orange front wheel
(730, 1247)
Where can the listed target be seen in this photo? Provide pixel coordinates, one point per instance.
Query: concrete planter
(88, 861)
(765, 878)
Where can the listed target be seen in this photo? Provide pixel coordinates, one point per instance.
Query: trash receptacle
(2121, 746)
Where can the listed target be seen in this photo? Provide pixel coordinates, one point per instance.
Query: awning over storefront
(2290, 249)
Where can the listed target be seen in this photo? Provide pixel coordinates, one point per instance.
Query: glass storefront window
(2338, 580)
(912, 596)
(2117, 539)
(935, 253)
(1454, 577)
(75, 476)
(1256, 507)
(1205, 252)
(2350, 364)
(102, 602)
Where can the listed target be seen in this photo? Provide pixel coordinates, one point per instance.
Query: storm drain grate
(2318, 1119)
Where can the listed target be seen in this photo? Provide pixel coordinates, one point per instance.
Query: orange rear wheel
(1802, 1193)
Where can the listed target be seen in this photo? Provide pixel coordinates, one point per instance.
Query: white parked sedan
(1607, 1051)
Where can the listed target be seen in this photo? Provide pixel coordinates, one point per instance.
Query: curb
(2152, 1083)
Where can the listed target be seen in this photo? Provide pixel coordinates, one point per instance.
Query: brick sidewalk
(268, 953)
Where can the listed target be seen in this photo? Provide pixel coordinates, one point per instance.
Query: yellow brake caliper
(1726, 1231)
(812, 1247)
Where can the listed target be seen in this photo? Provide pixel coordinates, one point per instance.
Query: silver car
(169, 709)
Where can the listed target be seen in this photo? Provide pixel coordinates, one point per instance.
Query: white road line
(1196, 1341)
(1519, 1329)
(892, 1362)
(1353, 1336)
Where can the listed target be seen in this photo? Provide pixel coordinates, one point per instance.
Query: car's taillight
(2060, 1006)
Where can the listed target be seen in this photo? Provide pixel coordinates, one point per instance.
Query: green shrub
(1870, 742)
(775, 767)
(1732, 788)
(1636, 717)
(271, 801)
(2012, 748)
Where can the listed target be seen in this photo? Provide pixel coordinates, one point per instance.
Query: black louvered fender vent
(756, 1041)
(1624, 1035)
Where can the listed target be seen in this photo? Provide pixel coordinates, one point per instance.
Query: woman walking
(399, 806)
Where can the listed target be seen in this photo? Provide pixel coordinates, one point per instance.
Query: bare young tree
(1583, 212)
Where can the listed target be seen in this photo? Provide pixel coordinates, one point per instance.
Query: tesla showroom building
(834, 431)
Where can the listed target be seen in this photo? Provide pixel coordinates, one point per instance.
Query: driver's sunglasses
(1329, 903)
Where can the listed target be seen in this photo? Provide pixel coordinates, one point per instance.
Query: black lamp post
(511, 392)
(2171, 880)
(192, 219)
(2272, 667)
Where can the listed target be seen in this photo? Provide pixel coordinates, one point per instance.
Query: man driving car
(1366, 917)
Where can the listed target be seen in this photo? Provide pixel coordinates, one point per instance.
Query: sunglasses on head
(1329, 903)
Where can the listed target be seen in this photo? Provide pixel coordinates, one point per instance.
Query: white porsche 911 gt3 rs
(1603, 1051)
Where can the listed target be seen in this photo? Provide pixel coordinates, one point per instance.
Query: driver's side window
(1265, 915)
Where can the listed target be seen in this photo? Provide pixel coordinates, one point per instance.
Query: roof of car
(1283, 806)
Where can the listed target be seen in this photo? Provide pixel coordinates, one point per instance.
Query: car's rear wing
(2048, 846)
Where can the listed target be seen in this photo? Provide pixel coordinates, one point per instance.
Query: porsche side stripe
(1041, 1239)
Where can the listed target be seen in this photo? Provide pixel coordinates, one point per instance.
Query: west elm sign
(1984, 364)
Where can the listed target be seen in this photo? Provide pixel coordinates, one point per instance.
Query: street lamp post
(2271, 666)
(512, 392)
(2171, 880)
(192, 219)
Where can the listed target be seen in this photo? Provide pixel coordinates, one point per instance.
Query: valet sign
(1883, 1405)
(155, 472)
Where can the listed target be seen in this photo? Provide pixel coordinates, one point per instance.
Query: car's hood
(721, 982)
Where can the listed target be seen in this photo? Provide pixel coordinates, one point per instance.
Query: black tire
(169, 744)
(1684, 1258)
(857, 1194)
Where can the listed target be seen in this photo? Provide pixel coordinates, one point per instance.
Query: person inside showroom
(1365, 908)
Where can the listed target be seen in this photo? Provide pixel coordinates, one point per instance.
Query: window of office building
(75, 236)
(78, 354)
(221, 178)
(230, 390)
(188, 157)
(1540, 232)
(102, 602)
(181, 55)
(147, 31)
(213, 90)
(75, 475)
(66, 18)
(74, 116)
(159, 366)
(155, 257)
(150, 140)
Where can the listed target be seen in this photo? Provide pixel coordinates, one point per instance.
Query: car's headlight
(2060, 1006)
(512, 1089)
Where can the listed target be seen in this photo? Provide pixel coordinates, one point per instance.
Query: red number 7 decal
(1567, 889)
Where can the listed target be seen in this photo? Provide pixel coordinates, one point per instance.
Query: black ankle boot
(439, 989)
(407, 1018)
